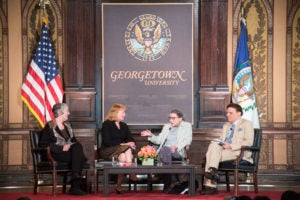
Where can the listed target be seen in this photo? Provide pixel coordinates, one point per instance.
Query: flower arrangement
(147, 152)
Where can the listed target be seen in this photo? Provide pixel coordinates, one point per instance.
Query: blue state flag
(243, 87)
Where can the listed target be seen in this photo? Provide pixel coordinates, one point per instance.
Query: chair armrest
(47, 152)
(243, 149)
(95, 153)
(252, 148)
(49, 156)
(187, 151)
(39, 150)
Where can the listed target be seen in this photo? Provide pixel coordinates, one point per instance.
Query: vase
(148, 161)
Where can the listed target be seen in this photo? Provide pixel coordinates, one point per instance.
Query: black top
(48, 138)
(112, 135)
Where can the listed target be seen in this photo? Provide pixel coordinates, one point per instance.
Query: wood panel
(79, 68)
(82, 107)
(213, 44)
(213, 108)
(214, 92)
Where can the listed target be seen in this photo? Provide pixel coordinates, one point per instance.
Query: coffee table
(142, 169)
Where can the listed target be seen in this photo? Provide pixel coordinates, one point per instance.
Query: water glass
(185, 161)
(114, 161)
(134, 162)
(159, 162)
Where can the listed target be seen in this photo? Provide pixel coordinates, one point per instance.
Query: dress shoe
(154, 178)
(168, 188)
(209, 190)
(76, 191)
(212, 174)
(118, 190)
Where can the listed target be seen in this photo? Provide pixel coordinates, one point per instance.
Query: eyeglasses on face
(172, 118)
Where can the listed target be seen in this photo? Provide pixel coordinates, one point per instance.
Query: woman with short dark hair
(64, 147)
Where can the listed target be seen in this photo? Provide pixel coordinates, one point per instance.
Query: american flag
(42, 87)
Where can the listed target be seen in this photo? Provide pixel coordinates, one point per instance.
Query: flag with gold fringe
(243, 86)
(42, 87)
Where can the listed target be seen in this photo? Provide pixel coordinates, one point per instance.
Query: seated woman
(172, 140)
(64, 147)
(117, 140)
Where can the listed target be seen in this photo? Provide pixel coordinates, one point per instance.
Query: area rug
(139, 195)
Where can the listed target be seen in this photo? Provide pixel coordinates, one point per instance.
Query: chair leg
(129, 185)
(95, 180)
(36, 179)
(135, 187)
(88, 180)
(227, 181)
(255, 182)
(236, 182)
(54, 182)
(202, 179)
(65, 182)
(149, 182)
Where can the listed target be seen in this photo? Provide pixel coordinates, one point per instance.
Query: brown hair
(113, 111)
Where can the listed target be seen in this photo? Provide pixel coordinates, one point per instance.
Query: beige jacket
(243, 136)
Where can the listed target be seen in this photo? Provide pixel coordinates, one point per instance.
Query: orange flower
(147, 152)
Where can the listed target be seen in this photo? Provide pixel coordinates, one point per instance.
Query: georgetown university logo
(147, 37)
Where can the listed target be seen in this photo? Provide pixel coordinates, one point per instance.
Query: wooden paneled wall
(82, 69)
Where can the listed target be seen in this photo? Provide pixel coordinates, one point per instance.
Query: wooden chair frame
(44, 163)
(239, 165)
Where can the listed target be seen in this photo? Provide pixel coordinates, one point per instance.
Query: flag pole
(242, 12)
(43, 4)
(242, 8)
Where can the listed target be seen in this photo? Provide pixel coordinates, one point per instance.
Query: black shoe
(76, 191)
(168, 188)
(154, 178)
(209, 190)
(212, 174)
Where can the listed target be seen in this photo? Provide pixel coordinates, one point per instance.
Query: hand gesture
(146, 133)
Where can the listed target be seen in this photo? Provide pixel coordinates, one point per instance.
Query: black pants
(75, 158)
(166, 156)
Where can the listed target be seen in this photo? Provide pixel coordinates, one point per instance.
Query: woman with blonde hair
(117, 140)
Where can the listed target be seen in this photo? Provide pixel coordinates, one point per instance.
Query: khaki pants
(215, 154)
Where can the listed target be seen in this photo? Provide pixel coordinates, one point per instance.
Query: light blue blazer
(184, 137)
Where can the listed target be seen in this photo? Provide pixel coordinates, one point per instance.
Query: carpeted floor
(141, 195)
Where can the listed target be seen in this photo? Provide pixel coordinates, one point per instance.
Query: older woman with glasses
(174, 137)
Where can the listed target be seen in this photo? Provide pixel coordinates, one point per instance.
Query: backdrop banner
(148, 60)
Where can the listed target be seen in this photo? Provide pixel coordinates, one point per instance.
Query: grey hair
(58, 109)
(178, 113)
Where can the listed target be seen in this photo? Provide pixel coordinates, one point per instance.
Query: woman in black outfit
(117, 140)
(64, 147)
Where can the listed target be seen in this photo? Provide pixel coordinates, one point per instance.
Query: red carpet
(141, 195)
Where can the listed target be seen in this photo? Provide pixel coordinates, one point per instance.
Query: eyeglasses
(173, 118)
